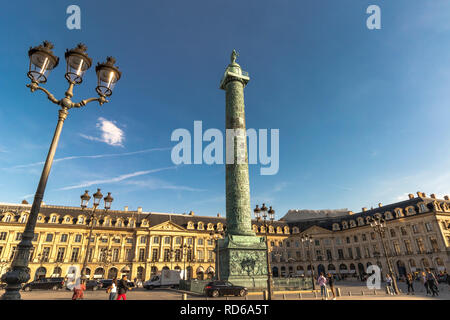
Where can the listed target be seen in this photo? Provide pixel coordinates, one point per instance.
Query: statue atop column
(234, 55)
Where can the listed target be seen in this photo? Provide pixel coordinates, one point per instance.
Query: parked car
(105, 283)
(224, 288)
(45, 284)
(93, 285)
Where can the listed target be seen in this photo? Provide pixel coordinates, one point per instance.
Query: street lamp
(308, 240)
(42, 61)
(216, 236)
(84, 202)
(185, 249)
(264, 213)
(379, 226)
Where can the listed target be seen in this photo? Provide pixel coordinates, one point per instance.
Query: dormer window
(200, 226)
(81, 220)
(53, 219)
(190, 225)
(422, 207)
(8, 218)
(23, 219)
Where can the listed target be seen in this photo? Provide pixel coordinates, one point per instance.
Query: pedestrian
(390, 289)
(322, 282)
(432, 283)
(123, 287)
(78, 290)
(425, 282)
(410, 283)
(330, 280)
(112, 289)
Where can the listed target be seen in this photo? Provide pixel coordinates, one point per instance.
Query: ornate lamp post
(379, 226)
(84, 202)
(271, 215)
(308, 240)
(42, 61)
(186, 248)
(216, 236)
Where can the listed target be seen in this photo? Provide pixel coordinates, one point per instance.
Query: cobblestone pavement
(349, 291)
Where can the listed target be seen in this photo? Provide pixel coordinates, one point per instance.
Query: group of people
(427, 278)
(117, 290)
(323, 281)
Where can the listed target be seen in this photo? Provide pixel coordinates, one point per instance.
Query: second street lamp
(379, 226)
(266, 222)
(84, 202)
(307, 240)
(216, 236)
(42, 61)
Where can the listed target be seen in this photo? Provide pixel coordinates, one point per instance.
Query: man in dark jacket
(122, 287)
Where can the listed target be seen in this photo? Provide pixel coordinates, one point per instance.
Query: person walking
(322, 282)
(432, 283)
(78, 290)
(410, 283)
(112, 289)
(123, 287)
(425, 282)
(330, 280)
(390, 289)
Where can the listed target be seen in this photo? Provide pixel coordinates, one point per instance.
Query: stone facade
(139, 243)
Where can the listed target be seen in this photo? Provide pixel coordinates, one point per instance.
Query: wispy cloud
(89, 157)
(154, 184)
(115, 179)
(280, 186)
(110, 133)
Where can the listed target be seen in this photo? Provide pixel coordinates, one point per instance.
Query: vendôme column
(237, 181)
(242, 253)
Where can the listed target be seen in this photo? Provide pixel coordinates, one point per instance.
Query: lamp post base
(14, 279)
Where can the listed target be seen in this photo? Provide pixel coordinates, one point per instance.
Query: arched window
(200, 226)
(23, 219)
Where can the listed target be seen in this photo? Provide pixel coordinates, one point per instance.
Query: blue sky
(363, 114)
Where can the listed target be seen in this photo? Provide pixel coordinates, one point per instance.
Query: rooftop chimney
(380, 205)
(411, 196)
(364, 209)
(191, 213)
(139, 210)
(446, 198)
(350, 212)
(218, 214)
(433, 196)
(125, 208)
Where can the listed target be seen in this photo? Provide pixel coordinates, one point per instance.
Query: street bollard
(362, 292)
(284, 296)
(264, 295)
(246, 297)
(184, 296)
(300, 296)
(349, 293)
(374, 292)
(338, 292)
(315, 294)
(226, 298)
